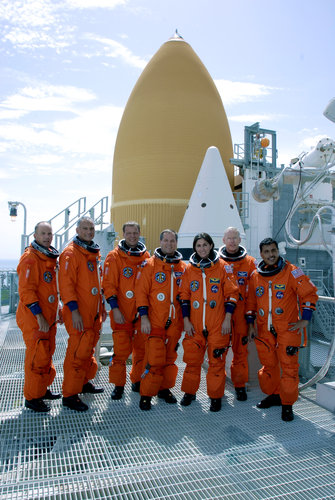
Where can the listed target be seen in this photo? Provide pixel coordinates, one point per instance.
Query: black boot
(145, 403)
(215, 404)
(75, 403)
(118, 392)
(37, 405)
(287, 413)
(272, 400)
(51, 395)
(187, 399)
(90, 388)
(135, 386)
(167, 395)
(241, 394)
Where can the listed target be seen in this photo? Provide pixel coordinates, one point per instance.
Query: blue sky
(69, 66)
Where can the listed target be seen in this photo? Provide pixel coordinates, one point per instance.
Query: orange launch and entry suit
(209, 291)
(38, 294)
(272, 296)
(157, 289)
(242, 265)
(79, 283)
(120, 270)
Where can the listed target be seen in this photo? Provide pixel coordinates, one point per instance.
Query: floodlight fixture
(12, 205)
(12, 210)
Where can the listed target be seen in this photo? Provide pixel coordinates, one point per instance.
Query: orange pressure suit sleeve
(143, 283)
(68, 274)
(37, 288)
(185, 292)
(305, 290)
(29, 277)
(231, 291)
(111, 275)
(251, 299)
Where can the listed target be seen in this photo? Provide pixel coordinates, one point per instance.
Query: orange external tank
(173, 115)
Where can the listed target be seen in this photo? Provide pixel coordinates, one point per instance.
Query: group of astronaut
(215, 299)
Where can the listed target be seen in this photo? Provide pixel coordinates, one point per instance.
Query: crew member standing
(83, 313)
(37, 316)
(209, 296)
(120, 270)
(242, 265)
(157, 291)
(274, 290)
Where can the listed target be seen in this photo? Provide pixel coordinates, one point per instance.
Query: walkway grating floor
(115, 451)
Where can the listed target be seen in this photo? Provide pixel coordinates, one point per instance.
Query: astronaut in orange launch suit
(120, 271)
(83, 313)
(209, 296)
(242, 265)
(37, 316)
(157, 291)
(274, 290)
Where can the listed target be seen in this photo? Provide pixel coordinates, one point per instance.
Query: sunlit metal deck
(116, 451)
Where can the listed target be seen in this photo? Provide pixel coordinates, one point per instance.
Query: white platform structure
(325, 395)
(212, 207)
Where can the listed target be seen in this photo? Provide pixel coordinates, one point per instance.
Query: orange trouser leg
(161, 354)
(170, 370)
(122, 349)
(80, 364)
(194, 352)
(239, 365)
(138, 354)
(216, 375)
(269, 374)
(155, 359)
(39, 371)
(289, 364)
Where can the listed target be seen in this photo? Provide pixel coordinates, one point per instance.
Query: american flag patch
(297, 272)
(229, 269)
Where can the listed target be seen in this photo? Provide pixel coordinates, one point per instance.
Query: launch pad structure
(115, 450)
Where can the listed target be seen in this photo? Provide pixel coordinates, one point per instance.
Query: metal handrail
(325, 298)
(81, 202)
(324, 369)
(61, 239)
(61, 235)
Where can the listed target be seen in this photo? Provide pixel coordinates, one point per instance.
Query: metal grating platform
(116, 451)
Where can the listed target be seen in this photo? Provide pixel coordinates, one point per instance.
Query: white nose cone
(212, 207)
